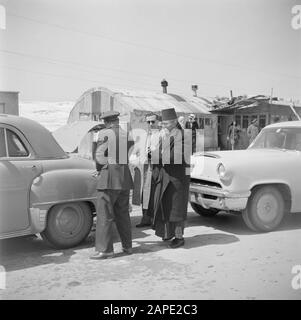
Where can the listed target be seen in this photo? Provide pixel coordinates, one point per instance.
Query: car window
(2, 143)
(15, 146)
(275, 140)
(298, 142)
(278, 138)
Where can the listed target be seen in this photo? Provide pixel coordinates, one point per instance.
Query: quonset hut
(134, 105)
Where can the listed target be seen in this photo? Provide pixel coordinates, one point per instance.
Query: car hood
(248, 154)
(204, 165)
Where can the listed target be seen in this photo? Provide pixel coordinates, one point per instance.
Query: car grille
(206, 183)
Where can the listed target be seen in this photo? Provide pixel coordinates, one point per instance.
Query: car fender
(262, 182)
(59, 186)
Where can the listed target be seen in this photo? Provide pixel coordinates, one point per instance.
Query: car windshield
(278, 138)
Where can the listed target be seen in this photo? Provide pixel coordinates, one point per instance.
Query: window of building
(84, 116)
(2, 143)
(262, 121)
(15, 146)
(245, 122)
(275, 118)
(238, 120)
(201, 123)
(207, 122)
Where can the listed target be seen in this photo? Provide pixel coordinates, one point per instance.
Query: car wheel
(202, 211)
(68, 224)
(247, 221)
(265, 208)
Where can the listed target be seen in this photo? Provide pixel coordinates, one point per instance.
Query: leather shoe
(167, 239)
(141, 225)
(127, 250)
(176, 243)
(102, 255)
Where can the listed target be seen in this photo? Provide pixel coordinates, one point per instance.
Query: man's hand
(95, 174)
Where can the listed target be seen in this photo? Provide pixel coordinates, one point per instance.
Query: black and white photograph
(150, 150)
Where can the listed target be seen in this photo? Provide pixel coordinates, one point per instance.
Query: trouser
(112, 206)
(145, 217)
(167, 229)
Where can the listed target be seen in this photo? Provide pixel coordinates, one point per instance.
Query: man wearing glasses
(152, 141)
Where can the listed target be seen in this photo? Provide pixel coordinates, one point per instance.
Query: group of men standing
(165, 188)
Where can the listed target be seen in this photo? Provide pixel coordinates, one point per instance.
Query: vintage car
(42, 189)
(261, 182)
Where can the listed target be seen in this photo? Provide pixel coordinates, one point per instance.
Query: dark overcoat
(171, 185)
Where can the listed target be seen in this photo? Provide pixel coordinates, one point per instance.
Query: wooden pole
(271, 97)
(294, 111)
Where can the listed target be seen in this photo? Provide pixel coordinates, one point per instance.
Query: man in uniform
(114, 182)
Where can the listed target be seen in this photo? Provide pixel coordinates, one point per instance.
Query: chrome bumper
(210, 197)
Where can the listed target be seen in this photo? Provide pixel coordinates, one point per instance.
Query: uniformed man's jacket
(113, 176)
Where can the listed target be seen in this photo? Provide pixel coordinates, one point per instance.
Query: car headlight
(221, 170)
(223, 173)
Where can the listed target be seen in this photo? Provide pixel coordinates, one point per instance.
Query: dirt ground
(221, 259)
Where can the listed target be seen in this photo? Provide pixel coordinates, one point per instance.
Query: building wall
(265, 113)
(9, 102)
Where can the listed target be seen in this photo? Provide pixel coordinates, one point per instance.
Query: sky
(54, 50)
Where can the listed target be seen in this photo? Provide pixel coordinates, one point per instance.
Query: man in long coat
(171, 179)
(152, 140)
(114, 182)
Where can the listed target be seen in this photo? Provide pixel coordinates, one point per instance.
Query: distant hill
(52, 115)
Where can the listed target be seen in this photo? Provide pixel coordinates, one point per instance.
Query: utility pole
(271, 96)
(233, 123)
(292, 104)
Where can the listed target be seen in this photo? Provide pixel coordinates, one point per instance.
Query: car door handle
(34, 167)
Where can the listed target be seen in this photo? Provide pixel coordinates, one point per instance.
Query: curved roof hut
(134, 105)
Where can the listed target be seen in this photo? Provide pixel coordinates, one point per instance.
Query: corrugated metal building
(134, 105)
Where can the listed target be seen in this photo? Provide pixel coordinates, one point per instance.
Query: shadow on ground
(31, 251)
(190, 242)
(234, 223)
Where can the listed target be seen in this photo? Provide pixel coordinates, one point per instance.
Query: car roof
(285, 124)
(41, 140)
